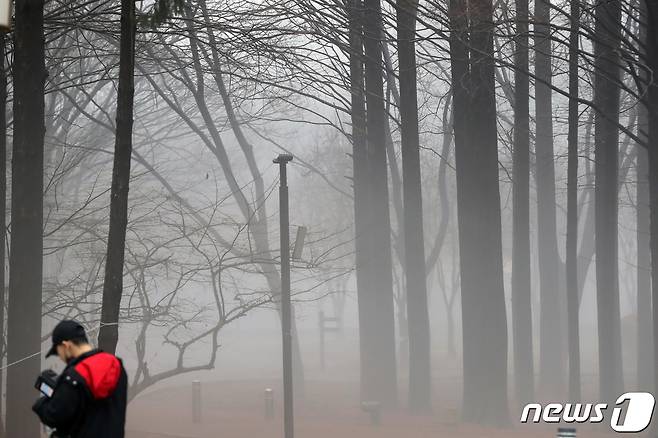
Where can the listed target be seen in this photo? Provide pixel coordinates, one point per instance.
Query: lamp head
(283, 158)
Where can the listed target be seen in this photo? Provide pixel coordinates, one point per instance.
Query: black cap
(65, 331)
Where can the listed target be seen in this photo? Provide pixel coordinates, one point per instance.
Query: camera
(46, 382)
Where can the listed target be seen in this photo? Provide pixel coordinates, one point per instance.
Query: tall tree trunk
(572, 211)
(521, 285)
(367, 294)
(651, 103)
(381, 377)
(484, 321)
(606, 150)
(551, 366)
(417, 315)
(3, 210)
(108, 335)
(26, 263)
(645, 362)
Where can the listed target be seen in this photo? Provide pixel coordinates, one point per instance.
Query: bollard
(566, 432)
(269, 403)
(374, 409)
(196, 401)
(322, 353)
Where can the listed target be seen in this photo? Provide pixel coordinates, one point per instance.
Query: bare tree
(606, 140)
(25, 265)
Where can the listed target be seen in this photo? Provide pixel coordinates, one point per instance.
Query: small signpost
(196, 401)
(326, 325)
(374, 410)
(269, 403)
(299, 243)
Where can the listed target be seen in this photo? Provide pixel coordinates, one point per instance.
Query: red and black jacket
(89, 400)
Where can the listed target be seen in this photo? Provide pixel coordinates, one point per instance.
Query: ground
(236, 409)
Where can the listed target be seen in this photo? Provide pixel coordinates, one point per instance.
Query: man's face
(64, 351)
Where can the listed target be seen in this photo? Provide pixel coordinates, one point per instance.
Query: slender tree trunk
(606, 140)
(26, 263)
(572, 211)
(551, 366)
(484, 321)
(417, 315)
(3, 211)
(651, 102)
(108, 335)
(645, 362)
(360, 179)
(521, 285)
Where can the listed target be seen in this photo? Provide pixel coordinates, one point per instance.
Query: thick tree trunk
(521, 285)
(379, 333)
(417, 314)
(26, 263)
(484, 321)
(108, 335)
(572, 211)
(645, 361)
(551, 365)
(606, 139)
(375, 355)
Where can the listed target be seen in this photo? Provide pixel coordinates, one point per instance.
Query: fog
(469, 212)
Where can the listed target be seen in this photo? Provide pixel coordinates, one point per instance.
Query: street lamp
(286, 330)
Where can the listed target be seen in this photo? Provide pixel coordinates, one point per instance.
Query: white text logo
(632, 412)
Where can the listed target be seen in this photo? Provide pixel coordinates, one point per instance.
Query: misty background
(468, 172)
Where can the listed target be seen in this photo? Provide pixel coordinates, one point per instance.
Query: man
(90, 396)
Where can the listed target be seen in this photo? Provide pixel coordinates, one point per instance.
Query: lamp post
(288, 418)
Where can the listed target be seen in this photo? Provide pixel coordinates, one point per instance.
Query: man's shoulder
(101, 373)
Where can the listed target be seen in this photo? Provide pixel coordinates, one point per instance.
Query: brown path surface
(330, 410)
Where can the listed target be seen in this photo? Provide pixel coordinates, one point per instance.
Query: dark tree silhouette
(645, 363)
(372, 223)
(420, 388)
(108, 334)
(3, 207)
(26, 261)
(651, 103)
(606, 139)
(381, 340)
(484, 321)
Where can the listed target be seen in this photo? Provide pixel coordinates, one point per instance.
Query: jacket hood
(101, 373)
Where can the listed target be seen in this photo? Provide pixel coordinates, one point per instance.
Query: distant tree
(571, 262)
(521, 284)
(551, 340)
